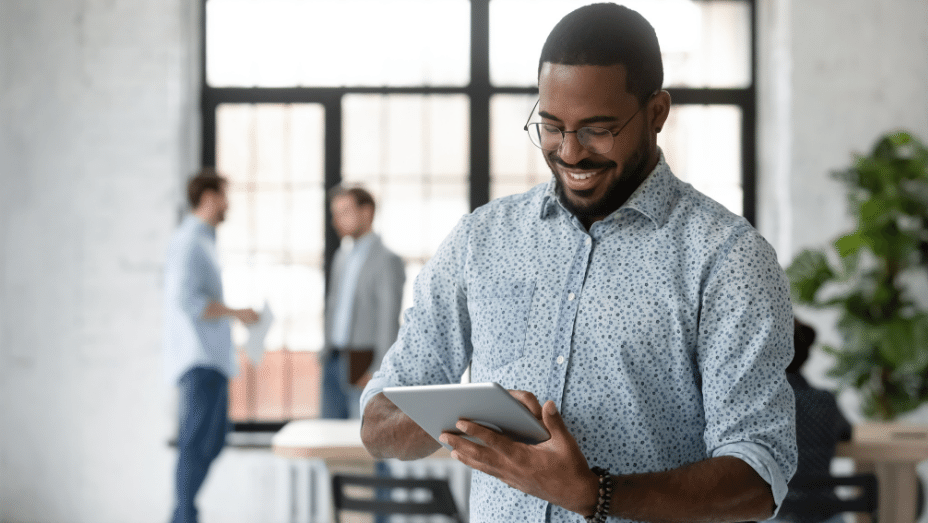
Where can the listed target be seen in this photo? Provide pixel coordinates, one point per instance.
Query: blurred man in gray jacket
(362, 309)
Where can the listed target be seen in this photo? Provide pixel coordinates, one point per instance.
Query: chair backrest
(437, 502)
(866, 501)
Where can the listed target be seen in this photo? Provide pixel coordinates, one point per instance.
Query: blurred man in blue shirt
(198, 353)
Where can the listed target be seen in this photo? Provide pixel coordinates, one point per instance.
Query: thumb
(552, 418)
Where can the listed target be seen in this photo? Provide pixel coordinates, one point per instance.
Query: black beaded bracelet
(605, 496)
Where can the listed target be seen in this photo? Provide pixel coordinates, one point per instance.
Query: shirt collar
(201, 226)
(367, 239)
(357, 245)
(652, 198)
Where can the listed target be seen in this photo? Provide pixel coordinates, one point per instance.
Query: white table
(337, 444)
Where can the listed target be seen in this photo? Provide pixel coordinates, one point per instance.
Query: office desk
(891, 451)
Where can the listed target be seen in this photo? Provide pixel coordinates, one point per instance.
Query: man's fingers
(529, 400)
(553, 420)
(489, 436)
(470, 453)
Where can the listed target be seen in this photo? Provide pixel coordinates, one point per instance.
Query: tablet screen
(436, 408)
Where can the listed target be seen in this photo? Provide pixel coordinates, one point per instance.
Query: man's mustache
(585, 164)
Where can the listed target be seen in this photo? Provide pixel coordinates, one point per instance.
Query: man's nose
(571, 150)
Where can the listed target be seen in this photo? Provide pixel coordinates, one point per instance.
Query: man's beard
(618, 191)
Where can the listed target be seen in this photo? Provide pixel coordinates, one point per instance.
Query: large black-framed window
(325, 114)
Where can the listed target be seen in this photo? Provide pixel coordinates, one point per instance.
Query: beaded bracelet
(605, 496)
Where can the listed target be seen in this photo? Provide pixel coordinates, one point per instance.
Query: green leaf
(849, 245)
(896, 342)
(808, 272)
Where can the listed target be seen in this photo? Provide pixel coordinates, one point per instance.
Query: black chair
(811, 495)
(437, 502)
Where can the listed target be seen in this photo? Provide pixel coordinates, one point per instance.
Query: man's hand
(724, 488)
(217, 310)
(389, 433)
(246, 316)
(554, 470)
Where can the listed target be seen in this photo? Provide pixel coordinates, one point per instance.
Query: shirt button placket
(580, 265)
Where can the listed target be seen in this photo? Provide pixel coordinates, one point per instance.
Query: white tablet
(436, 408)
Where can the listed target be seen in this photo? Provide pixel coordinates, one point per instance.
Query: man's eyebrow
(586, 121)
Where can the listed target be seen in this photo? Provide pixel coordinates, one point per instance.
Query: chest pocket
(499, 320)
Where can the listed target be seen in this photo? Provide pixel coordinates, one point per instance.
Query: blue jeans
(204, 405)
(340, 399)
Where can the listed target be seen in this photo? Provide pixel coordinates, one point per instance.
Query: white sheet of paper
(257, 332)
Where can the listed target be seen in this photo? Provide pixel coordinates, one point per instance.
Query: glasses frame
(563, 132)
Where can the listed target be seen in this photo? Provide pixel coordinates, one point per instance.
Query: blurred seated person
(819, 427)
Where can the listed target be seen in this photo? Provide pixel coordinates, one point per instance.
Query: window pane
(281, 43)
(271, 244)
(704, 43)
(702, 144)
(515, 164)
(411, 152)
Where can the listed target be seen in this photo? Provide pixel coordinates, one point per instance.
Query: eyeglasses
(549, 137)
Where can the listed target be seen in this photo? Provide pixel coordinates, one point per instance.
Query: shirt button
(570, 297)
(560, 360)
(588, 240)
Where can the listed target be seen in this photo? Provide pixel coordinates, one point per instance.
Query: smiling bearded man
(644, 324)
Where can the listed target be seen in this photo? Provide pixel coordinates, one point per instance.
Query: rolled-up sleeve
(745, 345)
(192, 285)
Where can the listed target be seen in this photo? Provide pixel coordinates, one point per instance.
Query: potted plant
(866, 275)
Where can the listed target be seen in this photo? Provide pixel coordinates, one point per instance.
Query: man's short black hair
(360, 195)
(803, 339)
(205, 180)
(608, 34)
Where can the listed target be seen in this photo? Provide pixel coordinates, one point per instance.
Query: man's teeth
(580, 176)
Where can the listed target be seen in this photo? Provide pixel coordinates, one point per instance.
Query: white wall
(98, 129)
(832, 81)
(96, 115)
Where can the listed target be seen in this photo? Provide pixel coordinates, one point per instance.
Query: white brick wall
(832, 81)
(96, 123)
(98, 129)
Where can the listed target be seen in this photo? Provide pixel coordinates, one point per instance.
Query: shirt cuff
(762, 462)
(374, 387)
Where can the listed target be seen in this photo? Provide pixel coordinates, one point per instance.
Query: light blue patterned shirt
(662, 334)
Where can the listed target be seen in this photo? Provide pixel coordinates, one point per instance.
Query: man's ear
(367, 212)
(658, 109)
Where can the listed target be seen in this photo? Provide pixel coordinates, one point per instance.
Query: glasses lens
(595, 139)
(544, 136)
(534, 134)
(548, 138)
